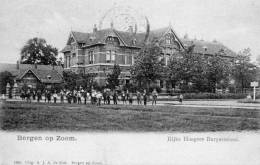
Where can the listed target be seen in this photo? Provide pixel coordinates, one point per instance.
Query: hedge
(216, 96)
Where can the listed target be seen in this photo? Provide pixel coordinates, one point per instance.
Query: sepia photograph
(95, 82)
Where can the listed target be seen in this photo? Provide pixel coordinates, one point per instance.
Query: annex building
(99, 50)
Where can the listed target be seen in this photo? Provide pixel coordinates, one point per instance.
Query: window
(91, 57)
(129, 60)
(161, 83)
(167, 59)
(110, 56)
(168, 39)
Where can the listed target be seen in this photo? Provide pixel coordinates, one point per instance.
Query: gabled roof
(42, 71)
(210, 48)
(42, 75)
(127, 38)
(80, 37)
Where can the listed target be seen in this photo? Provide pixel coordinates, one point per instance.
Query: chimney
(95, 28)
(130, 29)
(18, 65)
(186, 36)
(112, 25)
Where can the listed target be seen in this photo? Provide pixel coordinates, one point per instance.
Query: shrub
(214, 95)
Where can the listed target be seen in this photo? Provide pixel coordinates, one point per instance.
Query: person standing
(49, 96)
(39, 96)
(123, 97)
(46, 95)
(115, 96)
(55, 96)
(105, 96)
(154, 95)
(138, 96)
(99, 98)
(34, 95)
(130, 98)
(85, 96)
(181, 98)
(62, 96)
(127, 95)
(69, 96)
(79, 97)
(108, 96)
(145, 97)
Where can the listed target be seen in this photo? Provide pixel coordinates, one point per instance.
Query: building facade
(98, 51)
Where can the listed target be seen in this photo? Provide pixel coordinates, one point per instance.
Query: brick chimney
(130, 29)
(18, 65)
(95, 28)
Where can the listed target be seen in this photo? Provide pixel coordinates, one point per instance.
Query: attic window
(49, 77)
(110, 38)
(168, 39)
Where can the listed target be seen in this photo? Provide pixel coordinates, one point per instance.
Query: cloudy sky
(235, 23)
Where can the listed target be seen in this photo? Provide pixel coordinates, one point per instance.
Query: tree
(218, 71)
(74, 80)
(147, 67)
(5, 77)
(37, 51)
(244, 71)
(195, 72)
(186, 68)
(112, 78)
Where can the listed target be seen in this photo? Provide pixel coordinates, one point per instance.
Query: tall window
(110, 56)
(91, 57)
(168, 39)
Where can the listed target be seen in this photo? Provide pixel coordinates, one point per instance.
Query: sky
(235, 23)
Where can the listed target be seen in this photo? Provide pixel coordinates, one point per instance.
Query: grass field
(16, 116)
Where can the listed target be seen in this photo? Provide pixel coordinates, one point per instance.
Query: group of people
(94, 96)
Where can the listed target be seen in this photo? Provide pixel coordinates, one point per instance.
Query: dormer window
(205, 48)
(168, 39)
(48, 77)
(110, 38)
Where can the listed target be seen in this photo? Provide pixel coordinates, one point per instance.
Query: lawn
(17, 116)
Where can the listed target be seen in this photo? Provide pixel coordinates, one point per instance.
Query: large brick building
(98, 51)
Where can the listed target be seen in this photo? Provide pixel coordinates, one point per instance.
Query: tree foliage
(244, 71)
(191, 70)
(37, 51)
(147, 67)
(217, 72)
(113, 78)
(74, 80)
(5, 77)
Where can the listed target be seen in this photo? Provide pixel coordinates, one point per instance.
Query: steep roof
(206, 47)
(19, 70)
(80, 36)
(45, 76)
(127, 38)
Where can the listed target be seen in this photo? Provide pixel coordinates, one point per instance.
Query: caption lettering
(45, 138)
